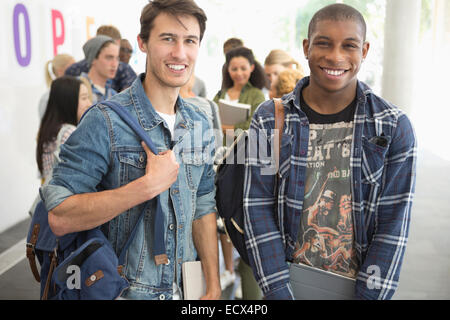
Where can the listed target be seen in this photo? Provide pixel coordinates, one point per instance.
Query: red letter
(57, 39)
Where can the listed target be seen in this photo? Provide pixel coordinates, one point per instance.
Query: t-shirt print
(325, 238)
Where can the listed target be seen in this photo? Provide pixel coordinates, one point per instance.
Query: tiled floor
(426, 267)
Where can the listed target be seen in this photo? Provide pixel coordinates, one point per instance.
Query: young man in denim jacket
(106, 175)
(346, 171)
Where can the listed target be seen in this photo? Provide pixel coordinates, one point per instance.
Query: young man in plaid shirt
(346, 171)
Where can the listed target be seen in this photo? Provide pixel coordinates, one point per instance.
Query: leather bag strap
(30, 252)
(279, 126)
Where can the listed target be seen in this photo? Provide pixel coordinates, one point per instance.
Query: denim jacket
(382, 185)
(104, 153)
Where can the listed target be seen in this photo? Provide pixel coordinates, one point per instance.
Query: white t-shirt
(101, 89)
(227, 97)
(170, 121)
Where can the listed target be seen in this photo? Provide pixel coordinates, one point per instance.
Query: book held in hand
(232, 113)
(194, 284)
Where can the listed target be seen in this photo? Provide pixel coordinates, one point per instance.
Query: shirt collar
(146, 113)
(108, 84)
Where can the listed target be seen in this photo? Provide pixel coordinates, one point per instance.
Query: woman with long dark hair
(68, 99)
(242, 81)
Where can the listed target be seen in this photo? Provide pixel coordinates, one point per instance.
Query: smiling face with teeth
(335, 51)
(172, 50)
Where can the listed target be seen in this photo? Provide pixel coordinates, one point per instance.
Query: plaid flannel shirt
(382, 183)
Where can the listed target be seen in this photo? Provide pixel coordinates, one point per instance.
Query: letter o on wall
(19, 10)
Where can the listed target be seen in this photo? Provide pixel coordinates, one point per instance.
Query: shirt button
(174, 191)
(168, 262)
(93, 278)
(171, 226)
(162, 297)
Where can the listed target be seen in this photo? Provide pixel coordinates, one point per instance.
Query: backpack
(230, 175)
(83, 265)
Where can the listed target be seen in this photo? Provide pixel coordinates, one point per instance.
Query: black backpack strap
(159, 250)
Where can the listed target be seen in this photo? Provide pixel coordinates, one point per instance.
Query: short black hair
(337, 12)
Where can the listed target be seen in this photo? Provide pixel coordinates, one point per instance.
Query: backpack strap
(279, 125)
(159, 250)
(30, 252)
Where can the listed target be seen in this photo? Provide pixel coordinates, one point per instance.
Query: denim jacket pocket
(132, 165)
(192, 160)
(372, 162)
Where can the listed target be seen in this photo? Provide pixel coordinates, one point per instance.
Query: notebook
(232, 113)
(310, 283)
(194, 284)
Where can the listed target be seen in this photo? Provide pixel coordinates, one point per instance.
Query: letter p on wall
(58, 37)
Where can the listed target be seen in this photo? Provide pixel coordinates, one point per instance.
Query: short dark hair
(172, 7)
(337, 12)
(257, 78)
(109, 31)
(232, 43)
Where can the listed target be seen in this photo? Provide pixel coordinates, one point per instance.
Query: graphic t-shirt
(325, 238)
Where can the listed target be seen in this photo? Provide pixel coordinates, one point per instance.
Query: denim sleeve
(379, 274)
(84, 160)
(262, 236)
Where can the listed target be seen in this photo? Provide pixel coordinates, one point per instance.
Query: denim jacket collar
(146, 113)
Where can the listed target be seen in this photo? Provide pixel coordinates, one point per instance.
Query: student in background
(285, 83)
(231, 44)
(125, 75)
(68, 100)
(199, 88)
(228, 45)
(102, 56)
(242, 81)
(276, 62)
(54, 69)
(126, 50)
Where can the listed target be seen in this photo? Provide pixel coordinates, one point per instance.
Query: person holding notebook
(346, 175)
(242, 81)
(107, 176)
